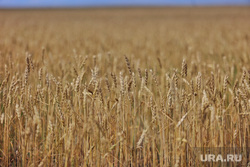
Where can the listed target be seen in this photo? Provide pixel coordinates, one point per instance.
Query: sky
(90, 3)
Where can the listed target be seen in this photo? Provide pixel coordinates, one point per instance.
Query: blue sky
(65, 3)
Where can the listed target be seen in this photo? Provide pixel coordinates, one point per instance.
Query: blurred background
(167, 29)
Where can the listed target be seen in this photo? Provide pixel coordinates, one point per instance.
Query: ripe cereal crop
(123, 86)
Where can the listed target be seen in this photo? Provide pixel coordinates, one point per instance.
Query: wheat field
(123, 86)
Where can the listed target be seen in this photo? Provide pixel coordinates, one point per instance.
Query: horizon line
(123, 6)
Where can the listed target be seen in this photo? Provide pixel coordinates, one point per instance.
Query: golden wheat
(68, 97)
